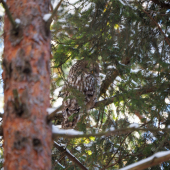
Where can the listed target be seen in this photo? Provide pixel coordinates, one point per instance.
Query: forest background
(130, 41)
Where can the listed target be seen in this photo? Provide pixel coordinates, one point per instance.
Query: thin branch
(14, 24)
(69, 155)
(153, 160)
(54, 13)
(109, 133)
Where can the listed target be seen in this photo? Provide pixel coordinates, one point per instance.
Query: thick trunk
(26, 75)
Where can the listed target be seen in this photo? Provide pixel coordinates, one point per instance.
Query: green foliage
(128, 41)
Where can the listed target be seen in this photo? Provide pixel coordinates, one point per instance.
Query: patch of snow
(50, 110)
(18, 21)
(122, 2)
(112, 128)
(102, 75)
(60, 164)
(111, 67)
(78, 148)
(135, 71)
(56, 130)
(134, 125)
(168, 126)
(46, 17)
(134, 82)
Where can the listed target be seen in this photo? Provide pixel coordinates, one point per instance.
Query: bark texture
(26, 75)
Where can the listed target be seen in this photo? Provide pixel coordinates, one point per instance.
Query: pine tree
(26, 76)
(130, 41)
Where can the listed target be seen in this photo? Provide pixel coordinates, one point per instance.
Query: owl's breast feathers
(81, 91)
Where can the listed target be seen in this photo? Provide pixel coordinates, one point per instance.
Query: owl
(80, 91)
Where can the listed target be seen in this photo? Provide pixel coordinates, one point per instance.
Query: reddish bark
(26, 75)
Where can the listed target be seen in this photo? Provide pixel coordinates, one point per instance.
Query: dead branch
(69, 155)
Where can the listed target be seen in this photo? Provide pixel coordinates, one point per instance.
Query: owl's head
(91, 67)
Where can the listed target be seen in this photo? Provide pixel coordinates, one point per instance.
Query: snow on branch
(46, 17)
(67, 153)
(153, 160)
(56, 130)
(54, 112)
(76, 134)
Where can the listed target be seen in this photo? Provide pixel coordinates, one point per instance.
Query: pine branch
(138, 92)
(69, 155)
(153, 160)
(105, 102)
(14, 24)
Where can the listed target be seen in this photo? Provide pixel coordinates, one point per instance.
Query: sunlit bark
(26, 75)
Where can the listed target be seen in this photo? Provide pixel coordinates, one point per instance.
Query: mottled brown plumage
(80, 91)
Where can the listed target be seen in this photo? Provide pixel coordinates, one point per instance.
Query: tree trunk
(26, 75)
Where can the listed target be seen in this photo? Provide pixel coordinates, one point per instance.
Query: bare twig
(69, 155)
(54, 13)
(14, 24)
